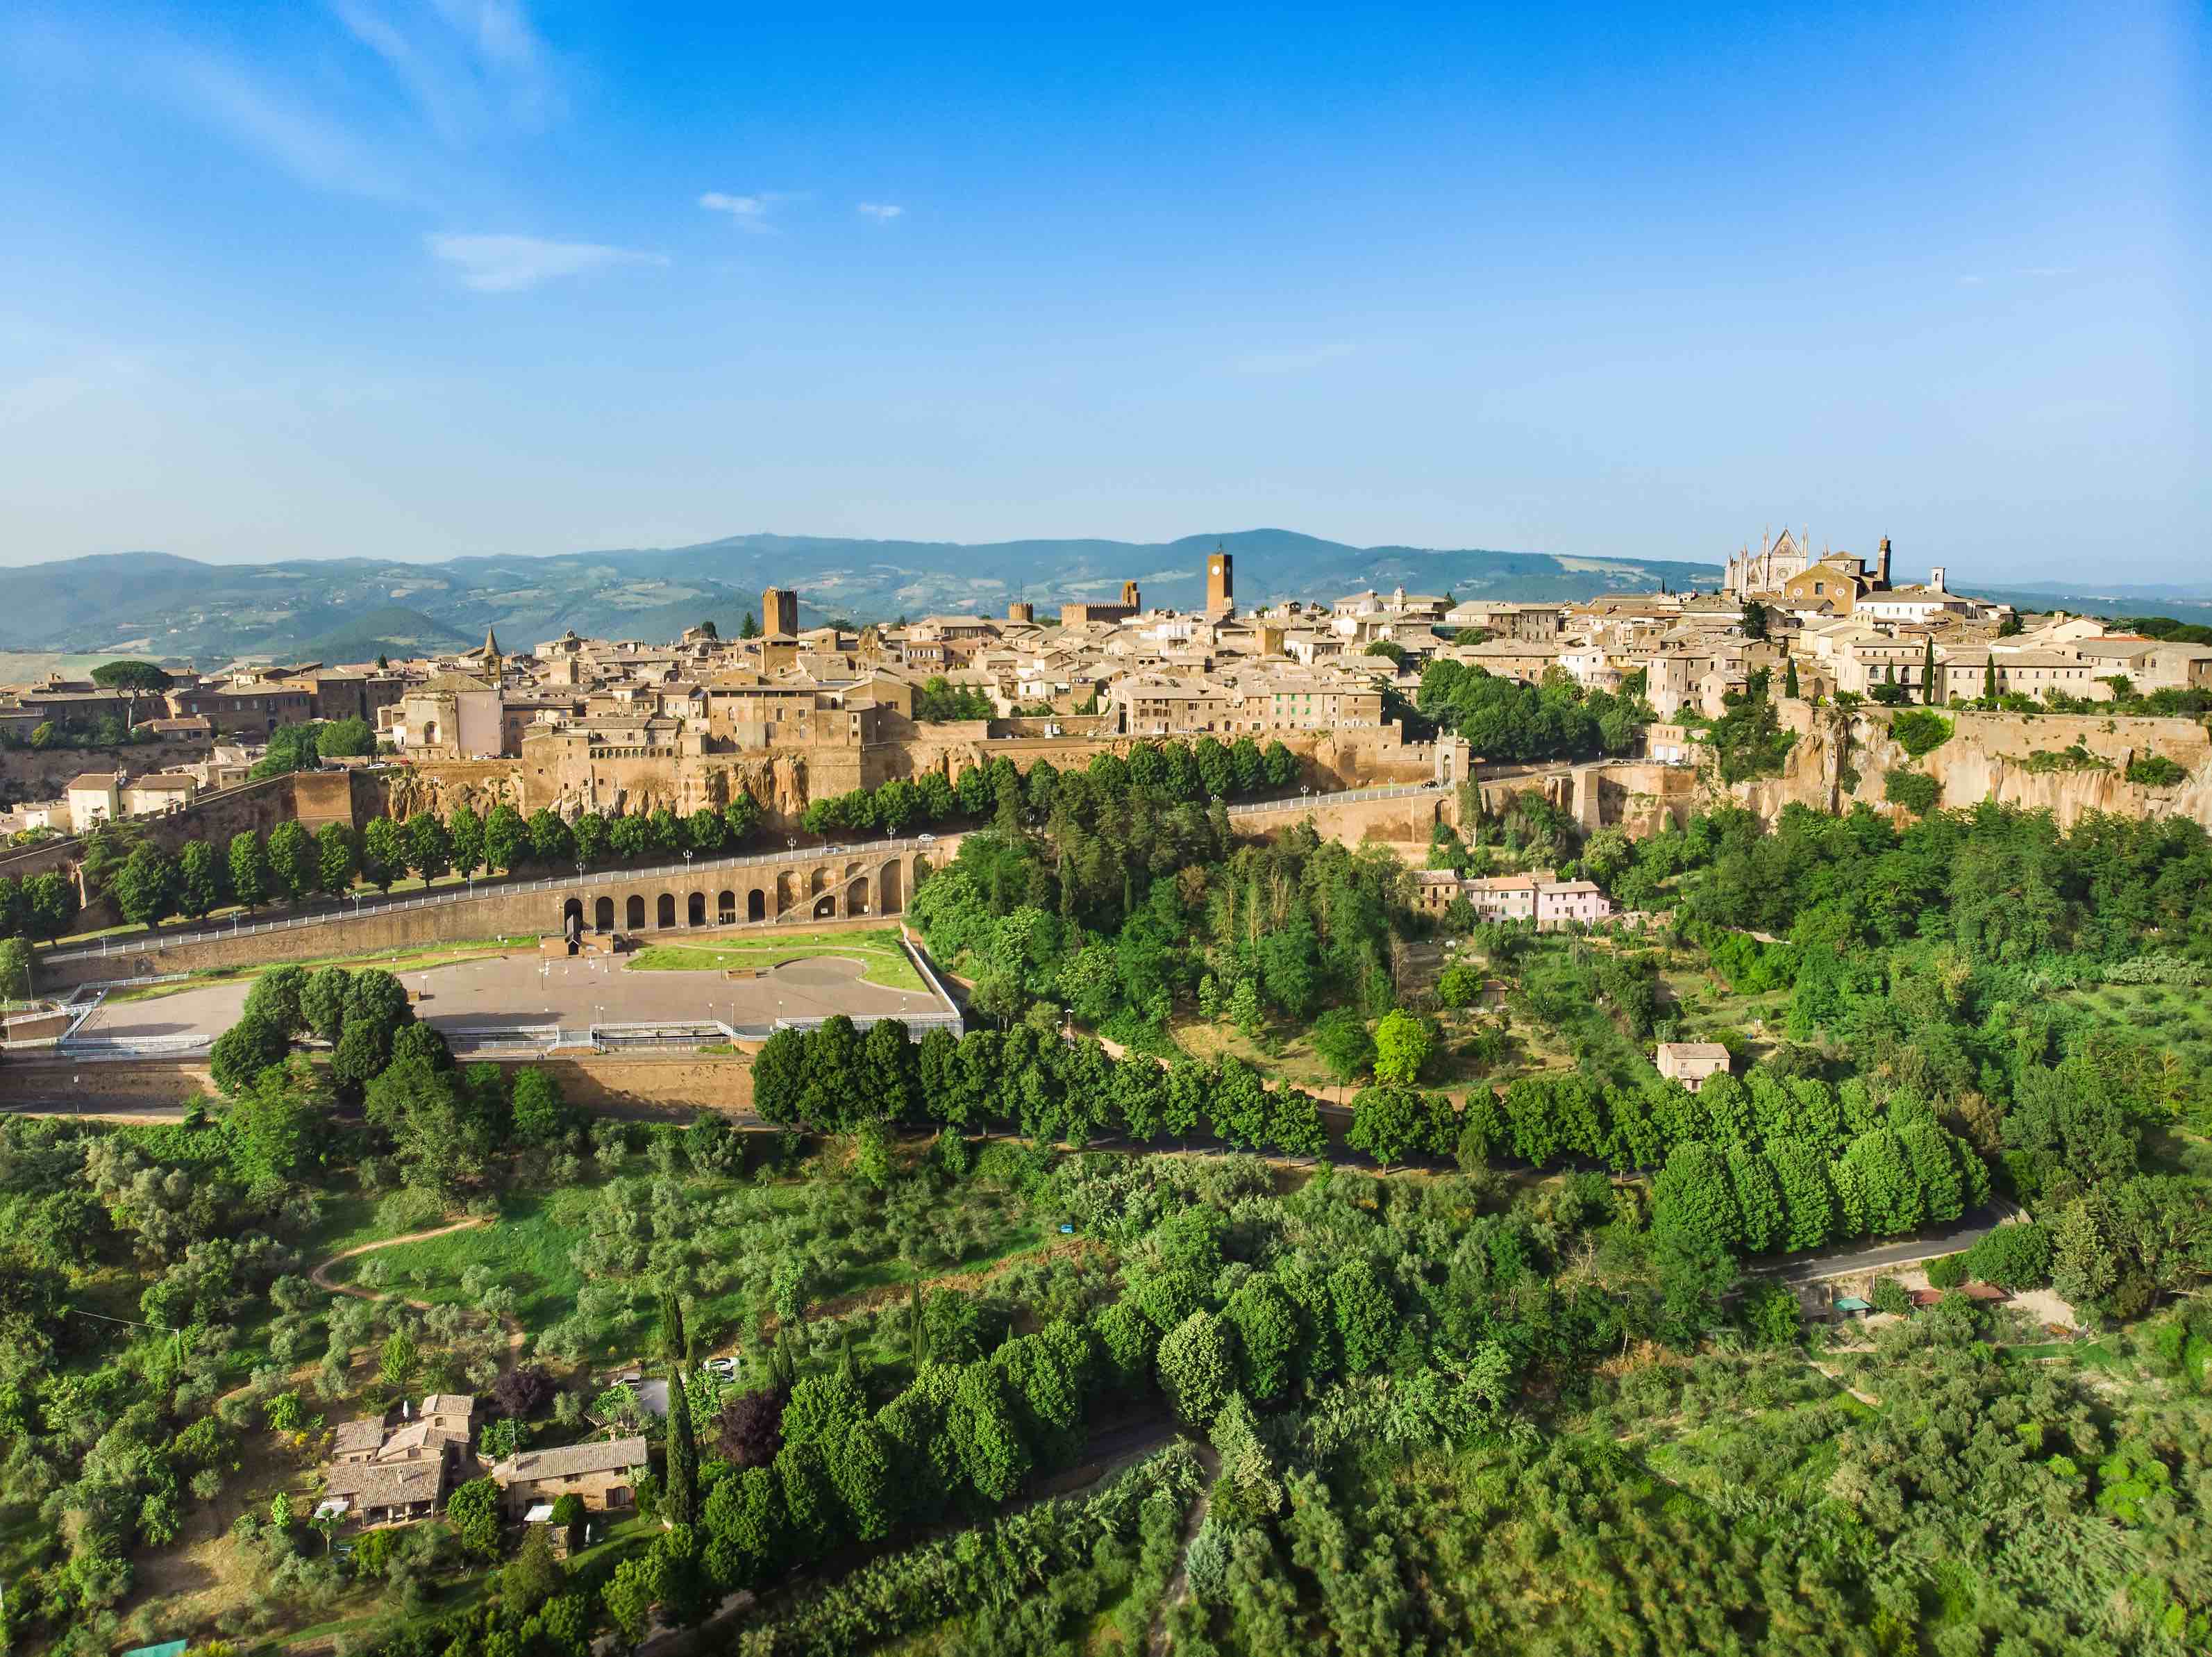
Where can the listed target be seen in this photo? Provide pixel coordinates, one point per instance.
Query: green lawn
(879, 952)
(529, 1249)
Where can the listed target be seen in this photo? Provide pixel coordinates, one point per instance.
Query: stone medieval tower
(780, 612)
(1220, 585)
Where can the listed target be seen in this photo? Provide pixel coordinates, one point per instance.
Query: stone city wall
(42, 774)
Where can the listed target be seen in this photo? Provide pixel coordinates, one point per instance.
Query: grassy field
(879, 952)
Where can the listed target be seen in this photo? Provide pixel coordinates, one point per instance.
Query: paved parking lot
(516, 990)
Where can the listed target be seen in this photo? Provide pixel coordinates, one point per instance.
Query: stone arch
(755, 904)
(726, 908)
(695, 909)
(825, 906)
(788, 891)
(820, 881)
(571, 918)
(891, 887)
(665, 911)
(856, 896)
(603, 916)
(636, 907)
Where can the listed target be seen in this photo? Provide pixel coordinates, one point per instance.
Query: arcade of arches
(837, 889)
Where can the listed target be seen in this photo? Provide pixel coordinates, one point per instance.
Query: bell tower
(1220, 584)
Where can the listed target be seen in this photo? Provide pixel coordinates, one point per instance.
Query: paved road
(1908, 1250)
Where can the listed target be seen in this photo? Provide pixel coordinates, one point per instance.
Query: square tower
(780, 612)
(1220, 585)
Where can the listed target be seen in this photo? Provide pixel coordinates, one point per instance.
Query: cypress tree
(1790, 677)
(1990, 680)
(682, 1504)
(1928, 673)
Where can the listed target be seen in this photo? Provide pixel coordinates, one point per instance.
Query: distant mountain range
(353, 609)
(175, 609)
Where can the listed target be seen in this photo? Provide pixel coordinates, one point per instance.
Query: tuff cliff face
(2069, 765)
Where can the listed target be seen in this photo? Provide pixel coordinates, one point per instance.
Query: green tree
(383, 853)
(1403, 1043)
(293, 863)
(277, 996)
(860, 1463)
(249, 870)
(395, 1367)
(352, 737)
(50, 905)
(632, 1593)
(741, 818)
(1195, 1369)
(1387, 1123)
(541, 1116)
(550, 843)
(145, 888)
(1266, 1326)
(464, 839)
(322, 1002)
(430, 848)
(981, 1422)
(276, 1118)
(1693, 1202)
(130, 675)
(243, 1051)
(507, 839)
(337, 857)
(199, 879)
(1366, 1318)
(1340, 1040)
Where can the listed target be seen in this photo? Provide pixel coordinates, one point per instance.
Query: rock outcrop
(2069, 765)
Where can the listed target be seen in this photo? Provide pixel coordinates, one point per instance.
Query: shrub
(1889, 1295)
(2156, 771)
(410, 1209)
(1916, 791)
(1948, 1272)
(1917, 731)
(1771, 1314)
(2013, 1257)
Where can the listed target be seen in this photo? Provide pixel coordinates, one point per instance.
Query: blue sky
(429, 277)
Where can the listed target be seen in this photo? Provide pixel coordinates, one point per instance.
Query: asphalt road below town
(1964, 1234)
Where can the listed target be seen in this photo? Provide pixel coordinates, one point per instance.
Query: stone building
(1692, 1064)
(603, 1475)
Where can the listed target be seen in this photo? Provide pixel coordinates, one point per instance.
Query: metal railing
(97, 1048)
(1341, 797)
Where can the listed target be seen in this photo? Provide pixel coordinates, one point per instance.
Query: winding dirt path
(1178, 1588)
(320, 1275)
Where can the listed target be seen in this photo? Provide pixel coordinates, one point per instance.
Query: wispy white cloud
(882, 211)
(506, 265)
(1293, 361)
(468, 65)
(751, 212)
(312, 147)
(1971, 281)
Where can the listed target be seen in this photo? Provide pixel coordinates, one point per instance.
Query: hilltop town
(622, 1136)
(794, 715)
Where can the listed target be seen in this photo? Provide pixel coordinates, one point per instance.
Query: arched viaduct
(808, 884)
(820, 885)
